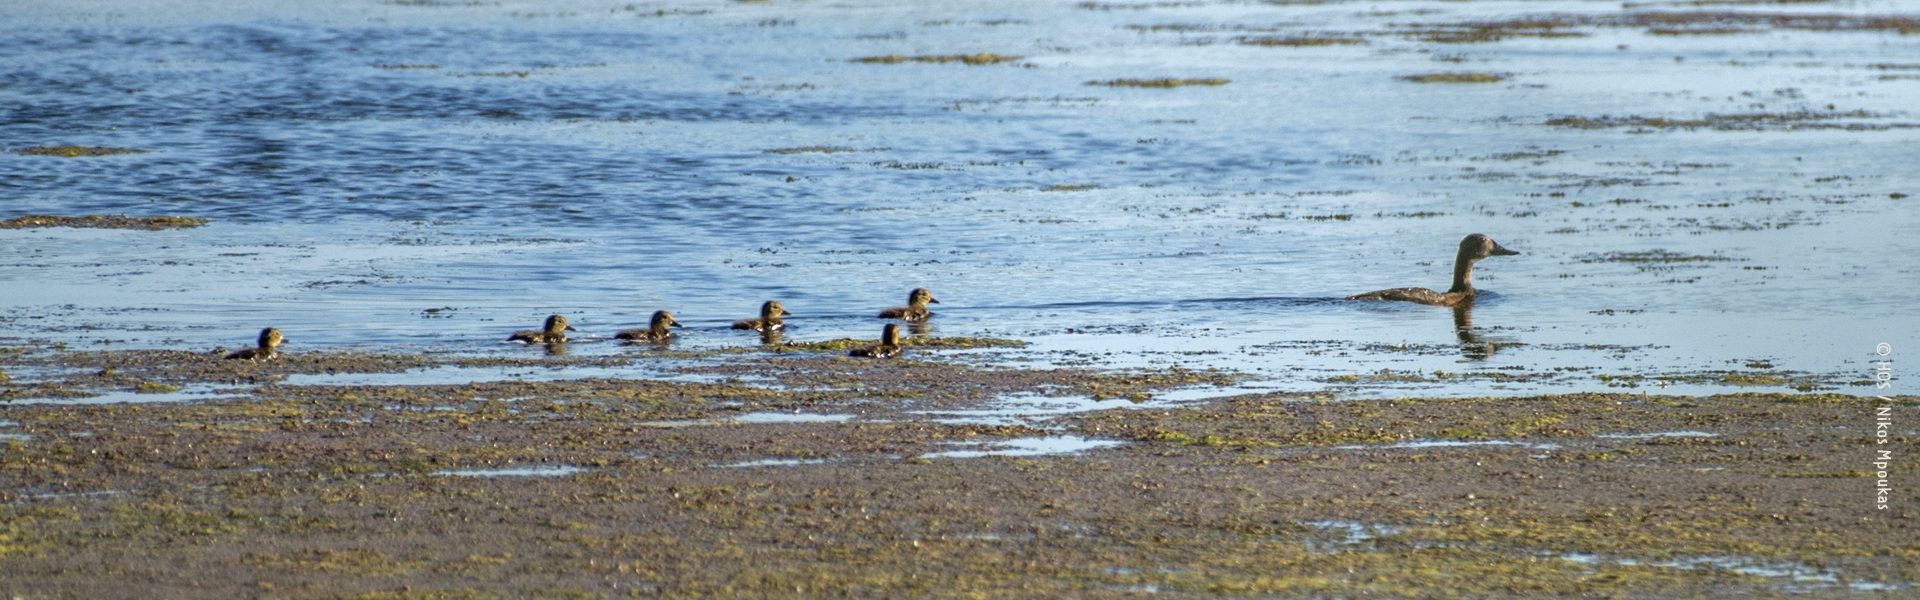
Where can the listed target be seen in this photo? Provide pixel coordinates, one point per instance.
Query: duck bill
(933, 300)
(1499, 250)
(676, 324)
(570, 328)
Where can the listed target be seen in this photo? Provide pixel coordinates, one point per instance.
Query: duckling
(769, 320)
(916, 309)
(655, 332)
(269, 338)
(1472, 249)
(888, 347)
(554, 332)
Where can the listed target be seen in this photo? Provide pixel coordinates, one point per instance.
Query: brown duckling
(1472, 249)
(770, 314)
(269, 338)
(656, 331)
(916, 309)
(888, 347)
(554, 332)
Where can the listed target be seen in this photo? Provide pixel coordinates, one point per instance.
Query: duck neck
(1462, 275)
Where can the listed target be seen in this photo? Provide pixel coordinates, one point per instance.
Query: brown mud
(649, 488)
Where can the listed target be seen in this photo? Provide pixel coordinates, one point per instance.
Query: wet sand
(806, 474)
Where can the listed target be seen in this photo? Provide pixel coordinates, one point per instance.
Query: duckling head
(920, 297)
(270, 337)
(662, 320)
(773, 310)
(891, 335)
(1478, 246)
(556, 324)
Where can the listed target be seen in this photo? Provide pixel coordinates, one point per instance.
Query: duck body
(656, 330)
(888, 347)
(916, 309)
(1416, 294)
(1472, 249)
(770, 314)
(554, 332)
(269, 339)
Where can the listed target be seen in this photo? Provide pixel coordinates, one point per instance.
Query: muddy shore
(608, 487)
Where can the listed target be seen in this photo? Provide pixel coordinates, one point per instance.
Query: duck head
(557, 324)
(891, 335)
(662, 320)
(920, 297)
(1478, 246)
(271, 337)
(773, 310)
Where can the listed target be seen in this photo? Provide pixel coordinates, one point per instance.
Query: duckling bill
(916, 309)
(1472, 249)
(269, 339)
(888, 347)
(770, 314)
(554, 332)
(656, 330)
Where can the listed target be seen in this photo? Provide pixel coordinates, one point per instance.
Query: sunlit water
(365, 162)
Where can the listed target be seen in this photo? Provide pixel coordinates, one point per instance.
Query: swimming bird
(769, 320)
(656, 331)
(269, 338)
(554, 332)
(1472, 249)
(916, 309)
(888, 347)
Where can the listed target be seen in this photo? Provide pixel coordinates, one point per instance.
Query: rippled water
(365, 162)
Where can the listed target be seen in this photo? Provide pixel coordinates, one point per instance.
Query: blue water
(364, 162)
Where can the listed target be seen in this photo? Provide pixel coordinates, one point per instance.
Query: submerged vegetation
(1301, 41)
(72, 151)
(1168, 82)
(1455, 78)
(1735, 122)
(970, 59)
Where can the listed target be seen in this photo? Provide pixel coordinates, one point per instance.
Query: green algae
(103, 222)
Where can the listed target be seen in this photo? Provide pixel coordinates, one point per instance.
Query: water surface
(434, 175)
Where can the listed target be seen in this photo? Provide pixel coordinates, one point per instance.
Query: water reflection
(556, 348)
(1472, 345)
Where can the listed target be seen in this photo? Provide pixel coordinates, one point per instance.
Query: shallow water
(432, 176)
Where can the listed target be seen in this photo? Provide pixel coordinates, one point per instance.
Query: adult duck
(1472, 249)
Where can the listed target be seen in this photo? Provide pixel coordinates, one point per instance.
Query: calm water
(366, 161)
